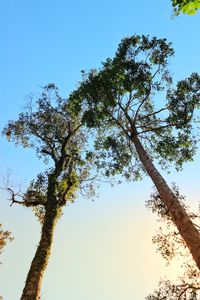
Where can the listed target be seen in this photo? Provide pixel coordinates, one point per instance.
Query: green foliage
(34, 127)
(183, 100)
(139, 115)
(55, 131)
(37, 190)
(132, 94)
(64, 185)
(189, 7)
(114, 157)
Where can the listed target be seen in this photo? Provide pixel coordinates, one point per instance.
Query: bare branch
(151, 114)
(148, 93)
(158, 128)
(24, 202)
(142, 102)
(187, 288)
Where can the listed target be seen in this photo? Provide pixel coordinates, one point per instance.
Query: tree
(140, 118)
(189, 7)
(56, 135)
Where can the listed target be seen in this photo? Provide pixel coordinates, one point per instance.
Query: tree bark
(186, 228)
(34, 278)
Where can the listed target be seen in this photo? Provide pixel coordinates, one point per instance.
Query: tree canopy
(189, 7)
(134, 90)
(55, 134)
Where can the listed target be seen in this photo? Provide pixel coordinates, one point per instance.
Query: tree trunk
(34, 278)
(186, 228)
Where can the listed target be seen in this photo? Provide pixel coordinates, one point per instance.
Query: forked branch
(24, 201)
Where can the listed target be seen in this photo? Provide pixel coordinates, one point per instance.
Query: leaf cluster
(189, 7)
(114, 156)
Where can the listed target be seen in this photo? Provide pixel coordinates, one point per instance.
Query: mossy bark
(34, 278)
(186, 228)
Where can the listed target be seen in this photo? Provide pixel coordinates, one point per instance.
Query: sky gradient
(102, 249)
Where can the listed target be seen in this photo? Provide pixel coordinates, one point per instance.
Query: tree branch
(118, 123)
(159, 128)
(148, 93)
(137, 111)
(45, 140)
(187, 288)
(25, 202)
(151, 114)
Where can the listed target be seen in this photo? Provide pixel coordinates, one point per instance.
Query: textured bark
(34, 278)
(186, 228)
(39, 263)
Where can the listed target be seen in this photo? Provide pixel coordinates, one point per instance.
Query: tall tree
(140, 118)
(56, 135)
(189, 7)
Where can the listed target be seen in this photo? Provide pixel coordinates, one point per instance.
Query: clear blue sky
(102, 249)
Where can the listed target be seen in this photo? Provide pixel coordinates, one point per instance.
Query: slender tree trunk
(186, 228)
(34, 278)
